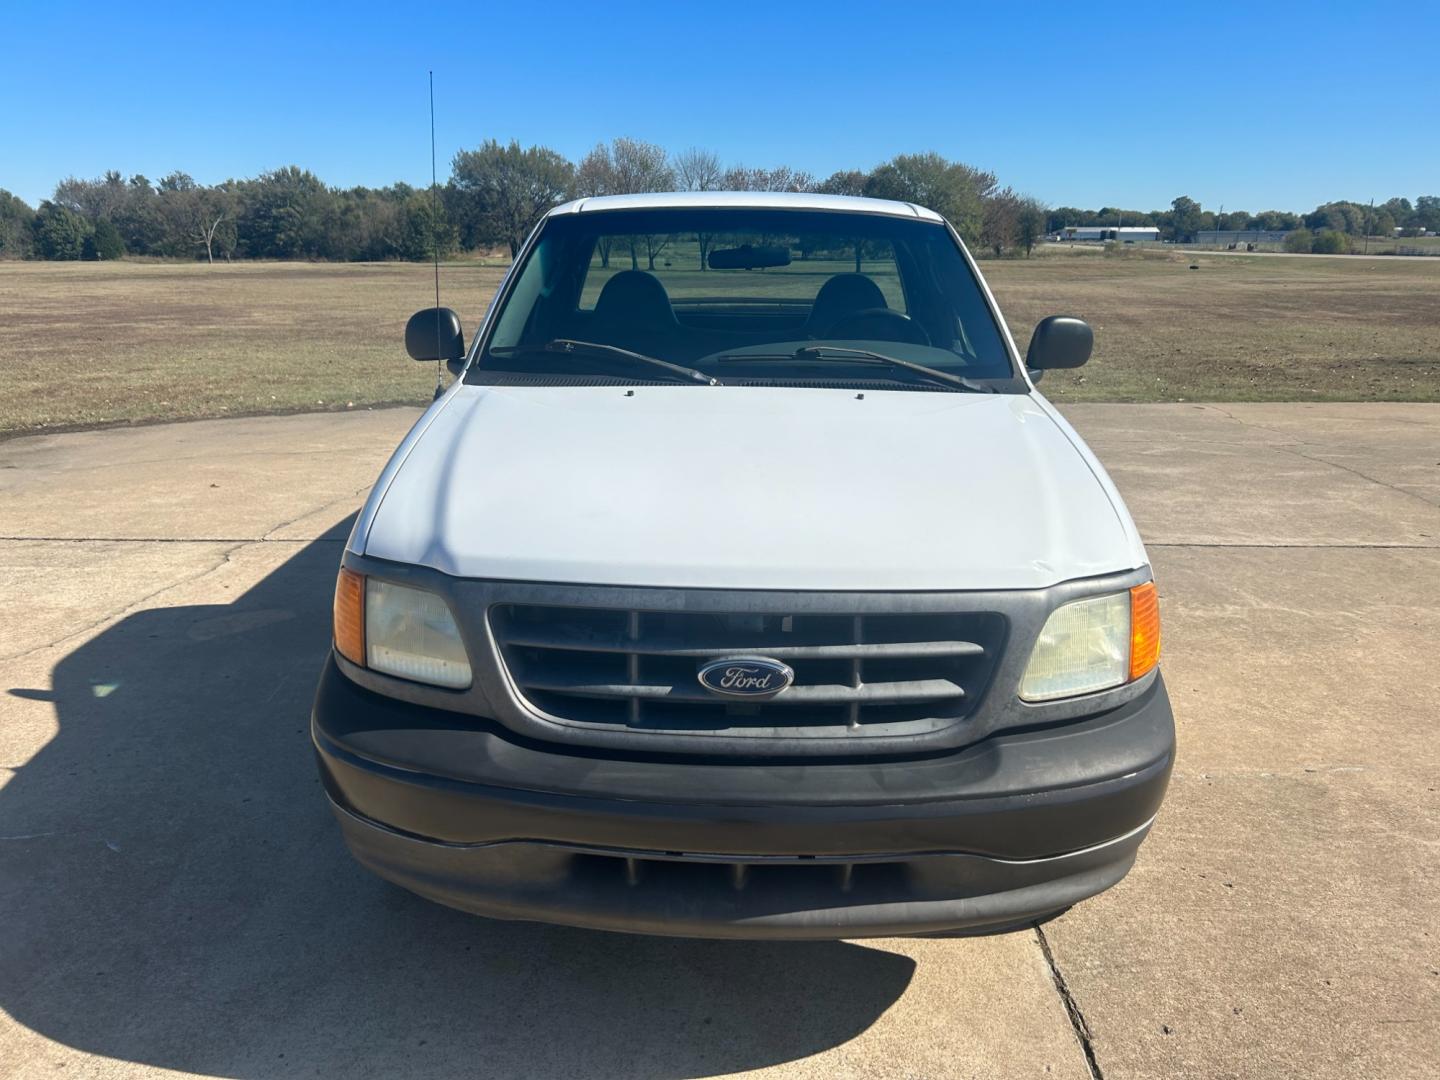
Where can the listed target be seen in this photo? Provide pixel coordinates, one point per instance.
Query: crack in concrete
(337, 501)
(268, 537)
(1356, 472)
(130, 463)
(225, 557)
(1246, 423)
(1290, 449)
(236, 544)
(242, 414)
(1072, 1007)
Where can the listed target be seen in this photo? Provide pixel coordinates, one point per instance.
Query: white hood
(744, 487)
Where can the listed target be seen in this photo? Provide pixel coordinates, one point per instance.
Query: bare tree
(784, 178)
(194, 213)
(740, 178)
(655, 244)
(698, 170)
(1030, 223)
(595, 175)
(705, 241)
(207, 226)
(627, 167)
(780, 178)
(640, 166)
(999, 220)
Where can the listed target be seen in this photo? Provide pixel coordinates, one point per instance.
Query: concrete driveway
(174, 896)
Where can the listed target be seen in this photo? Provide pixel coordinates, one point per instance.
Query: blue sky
(1252, 106)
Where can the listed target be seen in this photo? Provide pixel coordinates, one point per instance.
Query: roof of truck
(768, 200)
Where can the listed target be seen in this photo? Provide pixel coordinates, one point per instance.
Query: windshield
(745, 297)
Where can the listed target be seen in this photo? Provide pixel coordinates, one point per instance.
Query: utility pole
(1369, 225)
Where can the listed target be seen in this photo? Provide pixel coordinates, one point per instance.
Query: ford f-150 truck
(744, 585)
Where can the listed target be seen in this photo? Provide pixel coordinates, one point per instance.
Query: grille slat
(822, 694)
(779, 650)
(854, 672)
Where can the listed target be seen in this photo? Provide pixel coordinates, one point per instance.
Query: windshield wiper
(866, 356)
(569, 345)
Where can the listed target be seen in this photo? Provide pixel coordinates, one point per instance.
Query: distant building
(1240, 237)
(1130, 234)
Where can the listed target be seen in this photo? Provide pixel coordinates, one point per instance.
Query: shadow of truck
(174, 892)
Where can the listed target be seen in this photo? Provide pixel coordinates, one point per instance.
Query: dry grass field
(98, 343)
(1240, 328)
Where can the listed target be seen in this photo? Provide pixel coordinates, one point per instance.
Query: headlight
(1094, 644)
(411, 633)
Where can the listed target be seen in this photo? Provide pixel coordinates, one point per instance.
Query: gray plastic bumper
(765, 898)
(1011, 828)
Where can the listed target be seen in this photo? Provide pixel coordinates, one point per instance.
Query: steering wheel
(879, 324)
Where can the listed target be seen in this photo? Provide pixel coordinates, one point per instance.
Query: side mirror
(435, 334)
(1061, 341)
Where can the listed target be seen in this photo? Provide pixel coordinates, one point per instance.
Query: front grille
(860, 672)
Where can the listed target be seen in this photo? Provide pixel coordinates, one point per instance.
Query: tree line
(285, 214)
(496, 192)
(1186, 218)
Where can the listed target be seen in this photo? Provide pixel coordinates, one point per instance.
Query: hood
(748, 488)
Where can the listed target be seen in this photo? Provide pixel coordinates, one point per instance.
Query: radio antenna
(435, 234)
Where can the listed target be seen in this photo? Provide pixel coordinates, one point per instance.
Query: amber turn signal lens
(1144, 629)
(350, 616)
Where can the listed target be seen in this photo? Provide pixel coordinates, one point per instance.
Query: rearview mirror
(748, 257)
(1061, 341)
(435, 334)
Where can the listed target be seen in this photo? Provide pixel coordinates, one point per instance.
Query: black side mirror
(1061, 341)
(435, 334)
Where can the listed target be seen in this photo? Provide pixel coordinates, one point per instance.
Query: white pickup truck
(743, 585)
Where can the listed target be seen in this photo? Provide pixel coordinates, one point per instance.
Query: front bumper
(1013, 827)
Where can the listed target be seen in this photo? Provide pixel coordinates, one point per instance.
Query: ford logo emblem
(746, 676)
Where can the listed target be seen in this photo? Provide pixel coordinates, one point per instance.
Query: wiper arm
(569, 345)
(866, 356)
